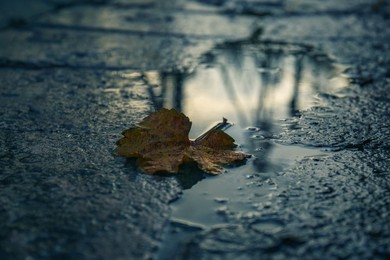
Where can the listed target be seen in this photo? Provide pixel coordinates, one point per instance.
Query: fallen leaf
(161, 144)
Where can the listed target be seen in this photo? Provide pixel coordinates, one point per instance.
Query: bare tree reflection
(168, 92)
(251, 84)
(294, 105)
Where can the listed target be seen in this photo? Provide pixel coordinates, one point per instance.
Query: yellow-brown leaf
(161, 144)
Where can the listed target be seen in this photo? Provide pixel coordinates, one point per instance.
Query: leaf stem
(223, 126)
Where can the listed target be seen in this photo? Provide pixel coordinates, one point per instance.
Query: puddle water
(254, 86)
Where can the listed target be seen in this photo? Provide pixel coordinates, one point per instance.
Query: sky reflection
(251, 85)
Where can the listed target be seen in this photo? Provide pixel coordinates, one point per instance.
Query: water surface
(256, 87)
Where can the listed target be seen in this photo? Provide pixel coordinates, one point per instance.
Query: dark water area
(256, 86)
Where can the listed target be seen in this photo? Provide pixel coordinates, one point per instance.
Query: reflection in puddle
(251, 85)
(255, 86)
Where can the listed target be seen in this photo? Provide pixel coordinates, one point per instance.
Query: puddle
(254, 86)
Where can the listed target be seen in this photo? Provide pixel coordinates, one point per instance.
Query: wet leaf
(161, 144)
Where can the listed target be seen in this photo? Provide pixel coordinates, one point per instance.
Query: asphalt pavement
(74, 74)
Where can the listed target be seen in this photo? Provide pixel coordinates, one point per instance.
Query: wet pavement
(305, 82)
